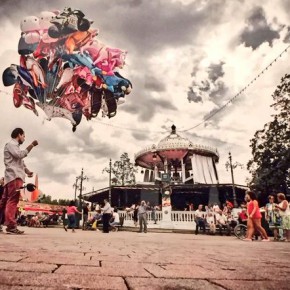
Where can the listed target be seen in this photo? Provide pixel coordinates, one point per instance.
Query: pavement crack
(126, 283)
(162, 266)
(23, 258)
(57, 267)
(217, 284)
(150, 273)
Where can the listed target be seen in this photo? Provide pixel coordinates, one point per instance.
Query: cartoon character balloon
(63, 69)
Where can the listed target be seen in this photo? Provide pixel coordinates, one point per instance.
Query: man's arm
(33, 144)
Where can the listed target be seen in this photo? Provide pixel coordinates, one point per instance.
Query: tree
(270, 165)
(44, 199)
(48, 200)
(123, 171)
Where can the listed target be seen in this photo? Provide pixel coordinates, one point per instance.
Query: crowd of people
(39, 219)
(213, 217)
(277, 217)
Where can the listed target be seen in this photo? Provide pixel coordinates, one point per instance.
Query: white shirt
(287, 211)
(210, 219)
(13, 160)
(199, 213)
(116, 217)
(107, 208)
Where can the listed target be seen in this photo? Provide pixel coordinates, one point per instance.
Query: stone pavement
(50, 258)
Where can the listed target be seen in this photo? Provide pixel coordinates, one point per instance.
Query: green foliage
(270, 165)
(123, 171)
(48, 200)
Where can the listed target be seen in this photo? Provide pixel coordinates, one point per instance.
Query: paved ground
(54, 259)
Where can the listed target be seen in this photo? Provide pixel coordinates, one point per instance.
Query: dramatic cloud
(154, 85)
(179, 51)
(258, 30)
(213, 88)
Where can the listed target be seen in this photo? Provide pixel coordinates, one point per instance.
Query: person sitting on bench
(199, 218)
(115, 220)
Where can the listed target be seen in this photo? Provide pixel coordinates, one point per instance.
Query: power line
(128, 128)
(238, 94)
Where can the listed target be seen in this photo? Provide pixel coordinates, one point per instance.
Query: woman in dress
(254, 218)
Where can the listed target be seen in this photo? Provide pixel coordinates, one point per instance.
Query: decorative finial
(173, 128)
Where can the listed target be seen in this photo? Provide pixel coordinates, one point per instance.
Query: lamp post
(232, 167)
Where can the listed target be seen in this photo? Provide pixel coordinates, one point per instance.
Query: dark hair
(115, 209)
(281, 196)
(16, 132)
(72, 203)
(252, 195)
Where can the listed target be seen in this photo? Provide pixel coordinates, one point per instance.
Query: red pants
(9, 201)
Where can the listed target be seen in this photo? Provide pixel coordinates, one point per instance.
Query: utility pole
(233, 181)
(110, 180)
(232, 166)
(82, 178)
(75, 185)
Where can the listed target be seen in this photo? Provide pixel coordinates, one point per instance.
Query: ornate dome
(172, 148)
(173, 141)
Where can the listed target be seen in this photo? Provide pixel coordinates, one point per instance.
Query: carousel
(179, 160)
(177, 174)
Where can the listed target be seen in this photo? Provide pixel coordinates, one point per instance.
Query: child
(211, 222)
(71, 210)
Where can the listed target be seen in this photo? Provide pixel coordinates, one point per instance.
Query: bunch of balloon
(64, 70)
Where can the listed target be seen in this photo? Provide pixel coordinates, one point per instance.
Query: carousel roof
(173, 141)
(172, 147)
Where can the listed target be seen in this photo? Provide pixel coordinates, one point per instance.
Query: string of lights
(238, 94)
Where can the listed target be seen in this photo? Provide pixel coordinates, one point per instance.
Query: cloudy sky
(186, 59)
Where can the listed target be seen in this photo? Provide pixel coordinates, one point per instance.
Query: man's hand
(34, 143)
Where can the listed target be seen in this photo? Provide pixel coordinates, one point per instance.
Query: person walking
(107, 214)
(135, 207)
(272, 217)
(254, 218)
(142, 215)
(284, 211)
(71, 215)
(85, 214)
(15, 172)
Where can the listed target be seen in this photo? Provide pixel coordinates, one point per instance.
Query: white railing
(180, 219)
(151, 216)
(182, 216)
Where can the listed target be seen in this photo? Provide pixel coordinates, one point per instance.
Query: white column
(182, 171)
(166, 210)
